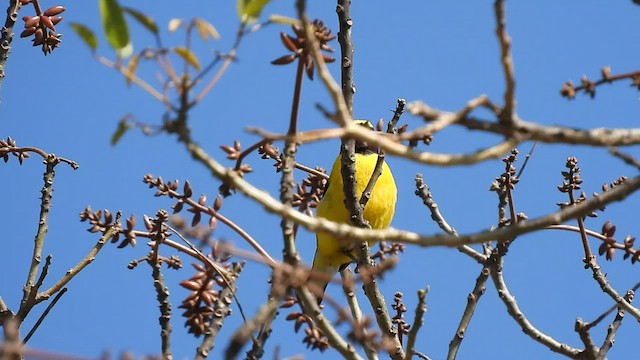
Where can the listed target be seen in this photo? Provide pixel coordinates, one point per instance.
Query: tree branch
(467, 314)
(7, 35)
(418, 321)
(508, 112)
(515, 312)
(524, 130)
(351, 233)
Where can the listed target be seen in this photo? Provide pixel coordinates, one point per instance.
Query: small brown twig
(217, 320)
(166, 189)
(264, 314)
(590, 348)
(612, 329)
(348, 288)
(606, 287)
(467, 314)
(418, 321)
(526, 160)
(346, 50)
(569, 91)
(30, 294)
(225, 65)
(377, 170)
(496, 273)
(628, 159)
(7, 35)
(309, 302)
(507, 115)
(602, 316)
(629, 252)
(159, 236)
(423, 192)
(133, 78)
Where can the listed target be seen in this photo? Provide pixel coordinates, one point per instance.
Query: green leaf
(86, 35)
(249, 10)
(115, 27)
(143, 19)
(122, 128)
(188, 56)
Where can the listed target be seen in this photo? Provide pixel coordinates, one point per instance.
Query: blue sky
(443, 53)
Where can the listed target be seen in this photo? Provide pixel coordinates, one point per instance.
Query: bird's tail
(322, 272)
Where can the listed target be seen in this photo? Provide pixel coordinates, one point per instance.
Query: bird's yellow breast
(378, 211)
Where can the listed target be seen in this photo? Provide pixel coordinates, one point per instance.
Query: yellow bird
(332, 253)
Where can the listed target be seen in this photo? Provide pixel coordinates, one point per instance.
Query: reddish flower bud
(53, 11)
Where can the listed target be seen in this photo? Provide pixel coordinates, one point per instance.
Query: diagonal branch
(423, 192)
(517, 314)
(467, 314)
(345, 231)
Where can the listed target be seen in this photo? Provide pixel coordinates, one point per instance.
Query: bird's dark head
(361, 146)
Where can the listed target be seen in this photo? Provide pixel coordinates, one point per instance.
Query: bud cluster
(43, 27)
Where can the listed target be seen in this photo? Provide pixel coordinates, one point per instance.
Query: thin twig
(467, 314)
(418, 321)
(590, 348)
(423, 192)
(352, 300)
(29, 290)
(602, 316)
(288, 182)
(377, 170)
(162, 291)
(88, 259)
(507, 113)
(526, 159)
(346, 52)
(224, 273)
(589, 87)
(441, 122)
(43, 274)
(222, 311)
(229, 58)
(628, 159)
(583, 234)
(133, 77)
(44, 314)
(609, 290)
(392, 126)
(335, 340)
(232, 225)
(7, 35)
(244, 332)
(517, 314)
(612, 329)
